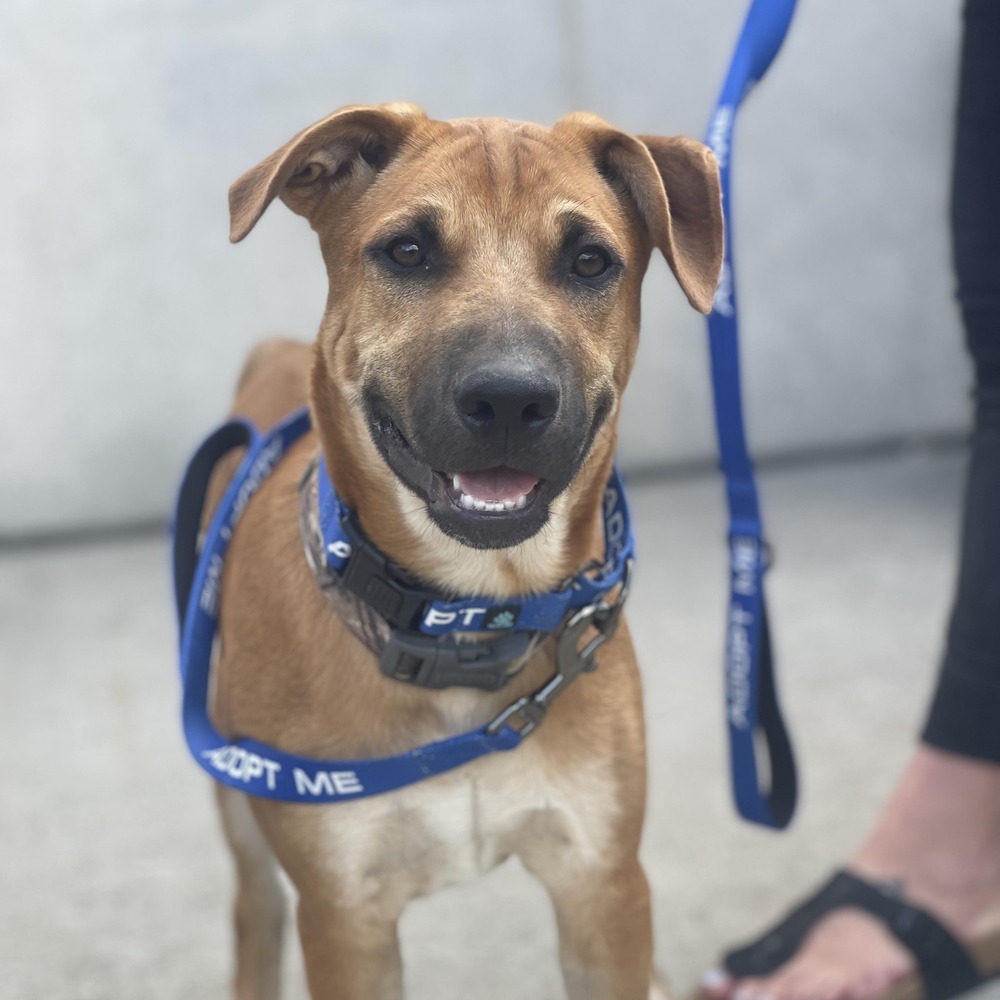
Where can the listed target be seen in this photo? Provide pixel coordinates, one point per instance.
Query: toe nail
(715, 979)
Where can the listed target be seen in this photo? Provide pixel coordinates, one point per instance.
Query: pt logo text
(475, 619)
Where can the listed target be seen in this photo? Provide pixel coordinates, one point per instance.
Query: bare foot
(939, 838)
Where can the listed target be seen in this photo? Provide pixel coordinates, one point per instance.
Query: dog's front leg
(605, 930)
(259, 911)
(349, 955)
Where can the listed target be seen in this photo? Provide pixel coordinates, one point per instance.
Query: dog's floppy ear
(690, 175)
(674, 182)
(355, 140)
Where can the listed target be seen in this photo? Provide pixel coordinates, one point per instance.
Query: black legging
(965, 712)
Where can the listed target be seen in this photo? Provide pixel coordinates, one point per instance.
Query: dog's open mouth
(492, 491)
(491, 507)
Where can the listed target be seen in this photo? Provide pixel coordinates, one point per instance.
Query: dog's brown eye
(591, 262)
(407, 253)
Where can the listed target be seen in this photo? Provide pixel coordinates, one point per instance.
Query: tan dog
(481, 325)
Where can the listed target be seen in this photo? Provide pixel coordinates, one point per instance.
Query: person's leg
(963, 714)
(939, 833)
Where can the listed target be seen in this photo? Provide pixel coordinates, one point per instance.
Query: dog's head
(483, 312)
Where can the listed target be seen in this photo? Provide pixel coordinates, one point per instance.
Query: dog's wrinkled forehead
(500, 179)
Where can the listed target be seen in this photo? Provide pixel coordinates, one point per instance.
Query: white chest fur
(389, 849)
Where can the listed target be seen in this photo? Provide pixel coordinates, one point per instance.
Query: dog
(464, 389)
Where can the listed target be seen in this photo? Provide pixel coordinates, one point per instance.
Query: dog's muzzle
(490, 449)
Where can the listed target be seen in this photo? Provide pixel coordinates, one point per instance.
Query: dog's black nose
(512, 400)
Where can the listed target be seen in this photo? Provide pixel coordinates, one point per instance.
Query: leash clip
(571, 661)
(602, 616)
(527, 712)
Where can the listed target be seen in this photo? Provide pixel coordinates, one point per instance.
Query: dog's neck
(397, 523)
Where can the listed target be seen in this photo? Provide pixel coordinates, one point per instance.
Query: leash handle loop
(756, 729)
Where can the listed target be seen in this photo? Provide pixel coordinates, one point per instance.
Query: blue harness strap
(754, 717)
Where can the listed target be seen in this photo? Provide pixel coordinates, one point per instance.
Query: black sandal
(945, 967)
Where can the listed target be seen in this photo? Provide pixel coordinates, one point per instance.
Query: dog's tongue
(496, 484)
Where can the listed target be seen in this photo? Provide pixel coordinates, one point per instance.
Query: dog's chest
(458, 826)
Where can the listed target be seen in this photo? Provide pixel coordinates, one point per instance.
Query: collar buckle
(368, 575)
(441, 661)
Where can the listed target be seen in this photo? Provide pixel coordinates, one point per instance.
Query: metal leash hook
(527, 712)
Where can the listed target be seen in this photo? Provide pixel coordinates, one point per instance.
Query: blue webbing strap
(191, 503)
(753, 713)
(247, 764)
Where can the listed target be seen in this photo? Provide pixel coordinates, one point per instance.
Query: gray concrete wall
(124, 312)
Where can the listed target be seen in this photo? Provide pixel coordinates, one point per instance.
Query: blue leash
(756, 728)
(247, 764)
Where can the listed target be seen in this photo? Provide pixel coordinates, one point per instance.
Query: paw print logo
(502, 620)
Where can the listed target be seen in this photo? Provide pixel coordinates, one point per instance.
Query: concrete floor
(114, 883)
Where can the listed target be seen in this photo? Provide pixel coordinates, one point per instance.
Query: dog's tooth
(520, 502)
(466, 501)
(479, 504)
(456, 483)
(508, 505)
